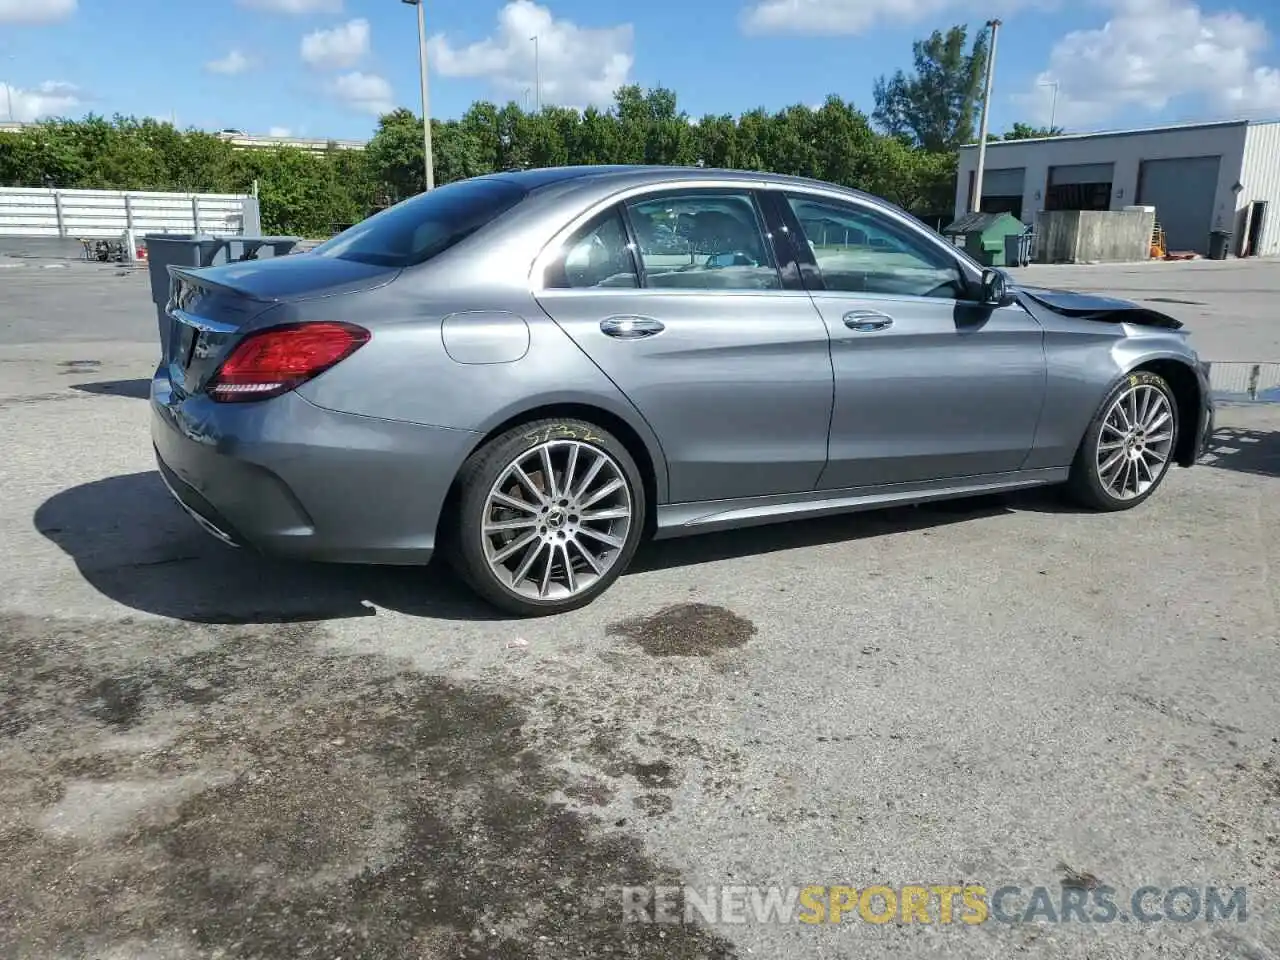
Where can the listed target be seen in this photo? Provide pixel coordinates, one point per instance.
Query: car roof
(620, 175)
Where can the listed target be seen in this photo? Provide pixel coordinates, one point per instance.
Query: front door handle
(631, 328)
(866, 321)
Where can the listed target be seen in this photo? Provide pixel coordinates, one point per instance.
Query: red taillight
(276, 360)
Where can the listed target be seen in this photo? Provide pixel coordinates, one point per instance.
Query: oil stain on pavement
(686, 630)
(203, 790)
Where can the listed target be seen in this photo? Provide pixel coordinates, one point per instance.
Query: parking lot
(207, 754)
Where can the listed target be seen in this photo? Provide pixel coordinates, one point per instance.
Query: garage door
(1002, 190)
(1182, 191)
(1080, 186)
(1004, 183)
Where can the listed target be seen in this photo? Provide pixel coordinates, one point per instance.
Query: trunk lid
(210, 310)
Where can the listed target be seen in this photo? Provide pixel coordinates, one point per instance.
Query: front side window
(598, 255)
(422, 227)
(703, 240)
(861, 251)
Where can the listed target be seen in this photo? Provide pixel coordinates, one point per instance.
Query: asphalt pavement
(211, 755)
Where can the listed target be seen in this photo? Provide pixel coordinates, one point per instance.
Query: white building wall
(1261, 181)
(1126, 151)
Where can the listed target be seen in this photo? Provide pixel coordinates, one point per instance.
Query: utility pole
(1053, 104)
(975, 201)
(537, 74)
(428, 165)
(8, 85)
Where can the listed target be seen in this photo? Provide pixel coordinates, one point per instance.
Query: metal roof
(1135, 132)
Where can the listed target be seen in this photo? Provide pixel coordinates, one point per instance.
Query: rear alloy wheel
(1128, 447)
(550, 516)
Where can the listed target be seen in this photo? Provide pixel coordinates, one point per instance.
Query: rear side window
(424, 226)
(599, 255)
(703, 240)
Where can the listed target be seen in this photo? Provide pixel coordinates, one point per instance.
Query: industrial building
(245, 141)
(1200, 178)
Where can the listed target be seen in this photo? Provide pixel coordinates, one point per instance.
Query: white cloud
(847, 17)
(365, 92)
(1152, 53)
(49, 99)
(35, 11)
(338, 49)
(294, 7)
(578, 65)
(233, 63)
(279, 132)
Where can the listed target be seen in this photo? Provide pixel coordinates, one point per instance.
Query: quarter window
(861, 251)
(703, 241)
(599, 255)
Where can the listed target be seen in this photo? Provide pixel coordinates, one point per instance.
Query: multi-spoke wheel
(1129, 446)
(550, 515)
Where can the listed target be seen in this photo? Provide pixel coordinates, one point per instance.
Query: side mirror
(995, 288)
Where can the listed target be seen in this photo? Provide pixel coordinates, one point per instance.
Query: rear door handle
(631, 328)
(866, 321)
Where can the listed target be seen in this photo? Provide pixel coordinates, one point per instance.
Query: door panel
(737, 386)
(927, 385)
(944, 390)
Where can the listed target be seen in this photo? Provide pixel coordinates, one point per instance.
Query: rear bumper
(288, 478)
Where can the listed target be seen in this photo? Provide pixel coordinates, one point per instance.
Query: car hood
(1092, 306)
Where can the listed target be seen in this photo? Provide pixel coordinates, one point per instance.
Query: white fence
(108, 214)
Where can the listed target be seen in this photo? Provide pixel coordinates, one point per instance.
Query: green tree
(1023, 131)
(936, 106)
(309, 193)
(395, 155)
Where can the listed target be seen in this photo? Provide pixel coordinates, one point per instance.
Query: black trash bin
(1219, 244)
(179, 250)
(185, 250)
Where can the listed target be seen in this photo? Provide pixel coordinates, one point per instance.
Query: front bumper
(288, 478)
(1204, 428)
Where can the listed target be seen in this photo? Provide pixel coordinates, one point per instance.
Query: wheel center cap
(555, 519)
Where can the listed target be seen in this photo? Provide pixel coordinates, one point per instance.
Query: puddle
(686, 630)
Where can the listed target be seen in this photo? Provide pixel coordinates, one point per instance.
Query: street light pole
(428, 164)
(8, 86)
(537, 73)
(1053, 104)
(975, 202)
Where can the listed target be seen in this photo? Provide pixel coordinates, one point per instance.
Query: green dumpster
(982, 235)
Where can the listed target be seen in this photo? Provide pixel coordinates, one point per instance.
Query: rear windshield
(424, 226)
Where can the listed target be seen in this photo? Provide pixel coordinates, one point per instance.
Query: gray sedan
(531, 372)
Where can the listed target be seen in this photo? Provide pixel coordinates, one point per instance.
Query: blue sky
(324, 68)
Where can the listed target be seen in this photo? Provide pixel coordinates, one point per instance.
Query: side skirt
(683, 519)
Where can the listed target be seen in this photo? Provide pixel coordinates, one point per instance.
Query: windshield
(424, 226)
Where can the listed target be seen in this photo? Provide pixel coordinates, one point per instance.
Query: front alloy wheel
(551, 514)
(1129, 446)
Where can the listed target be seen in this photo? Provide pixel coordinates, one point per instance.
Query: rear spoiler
(185, 283)
(194, 276)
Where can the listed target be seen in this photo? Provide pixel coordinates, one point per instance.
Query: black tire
(465, 543)
(1085, 485)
